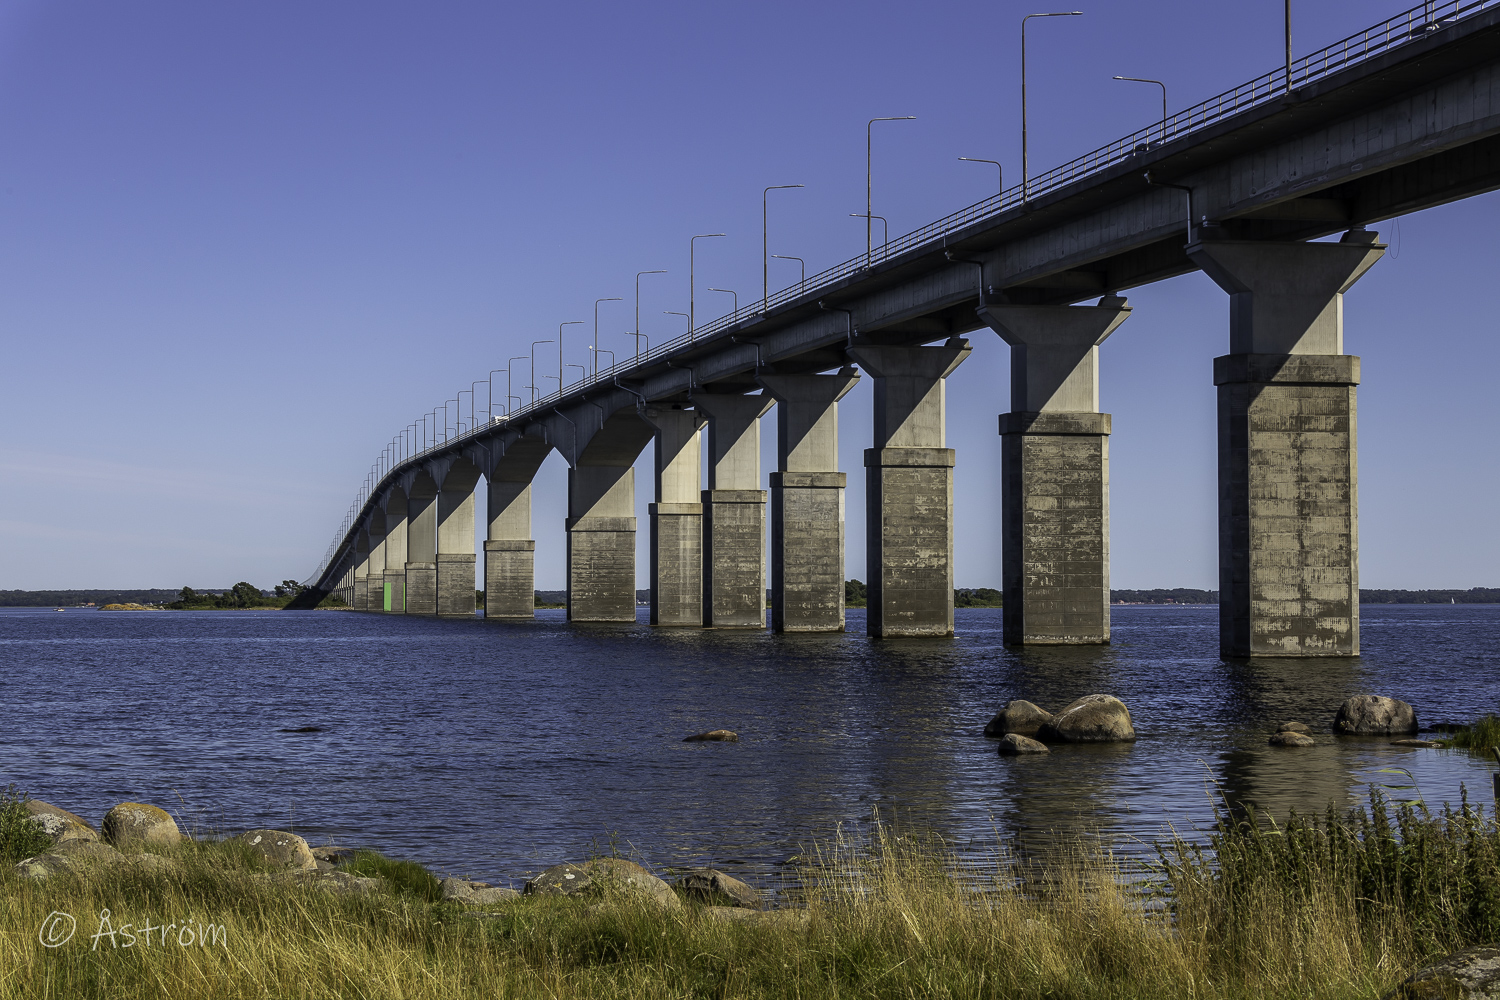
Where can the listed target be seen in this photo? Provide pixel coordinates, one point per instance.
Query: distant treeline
(1179, 595)
(1475, 595)
(73, 598)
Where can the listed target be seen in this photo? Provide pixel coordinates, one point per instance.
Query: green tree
(855, 594)
(243, 595)
(288, 588)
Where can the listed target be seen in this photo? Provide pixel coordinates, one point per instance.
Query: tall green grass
(1481, 737)
(19, 837)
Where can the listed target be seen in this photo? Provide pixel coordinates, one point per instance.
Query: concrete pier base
(421, 545)
(455, 538)
(393, 586)
(1054, 484)
(509, 587)
(601, 569)
(676, 520)
(1288, 483)
(455, 584)
(734, 512)
(807, 503)
(909, 491)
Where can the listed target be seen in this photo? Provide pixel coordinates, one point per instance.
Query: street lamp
(638, 338)
(801, 282)
(602, 350)
(869, 183)
(1288, 46)
(638, 312)
(510, 363)
(1163, 86)
(532, 386)
(1025, 163)
(614, 298)
(571, 322)
(491, 394)
(887, 225)
(692, 272)
(730, 291)
(669, 312)
(998, 168)
(765, 246)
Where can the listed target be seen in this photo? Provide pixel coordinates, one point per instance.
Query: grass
(19, 837)
(1480, 737)
(1341, 907)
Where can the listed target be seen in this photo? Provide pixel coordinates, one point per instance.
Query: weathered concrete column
(455, 538)
(677, 519)
(909, 491)
(509, 549)
(393, 600)
(734, 512)
(421, 545)
(1054, 479)
(375, 575)
(361, 570)
(807, 503)
(1288, 482)
(601, 522)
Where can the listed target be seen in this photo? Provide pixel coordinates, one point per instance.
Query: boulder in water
(1015, 745)
(1374, 715)
(1293, 727)
(709, 885)
(1021, 717)
(1291, 739)
(1094, 718)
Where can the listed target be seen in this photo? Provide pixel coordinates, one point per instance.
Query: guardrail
(1418, 22)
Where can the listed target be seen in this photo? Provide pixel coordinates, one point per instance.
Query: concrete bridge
(1395, 119)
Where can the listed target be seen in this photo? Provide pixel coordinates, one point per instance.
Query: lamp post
(638, 312)
(1025, 162)
(1000, 170)
(692, 273)
(571, 322)
(532, 386)
(1288, 46)
(614, 298)
(886, 230)
(458, 411)
(1163, 86)
(765, 246)
(638, 338)
(491, 394)
(602, 350)
(869, 180)
(730, 291)
(801, 282)
(508, 397)
(669, 312)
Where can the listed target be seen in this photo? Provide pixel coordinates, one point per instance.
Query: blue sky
(242, 245)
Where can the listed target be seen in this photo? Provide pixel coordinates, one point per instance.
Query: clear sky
(243, 244)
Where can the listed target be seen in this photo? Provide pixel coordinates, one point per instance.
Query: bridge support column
(601, 543)
(455, 540)
(421, 546)
(361, 571)
(1288, 480)
(807, 503)
(909, 491)
(734, 512)
(1054, 485)
(509, 549)
(393, 596)
(677, 520)
(375, 576)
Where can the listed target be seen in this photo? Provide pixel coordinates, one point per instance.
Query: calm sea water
(495, 750)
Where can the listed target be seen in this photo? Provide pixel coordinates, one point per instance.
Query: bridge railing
(1418, 22)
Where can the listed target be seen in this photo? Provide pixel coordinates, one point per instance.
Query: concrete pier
(807, 503)
(601, 522)
(393, 598)
(361, 571)
(677, 519)
(734, 512)
(455, 538)
(421, 544)
(375, 574)
(1288, 481)
(909, 491)
(1054, 485)
(509, 549)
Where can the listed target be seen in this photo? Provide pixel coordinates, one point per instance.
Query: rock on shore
(136, 822)
(58, 823)
(279, 849)
(1470, 974)
(1094, 718)
(1374, 715)
(709, 885)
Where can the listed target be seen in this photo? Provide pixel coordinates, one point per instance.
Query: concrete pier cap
(1054, 358)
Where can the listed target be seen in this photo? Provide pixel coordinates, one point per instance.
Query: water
(495, 750)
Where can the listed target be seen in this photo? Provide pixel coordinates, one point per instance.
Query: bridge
(1246, 187)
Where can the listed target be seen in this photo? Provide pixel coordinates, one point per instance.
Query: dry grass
(887, 918)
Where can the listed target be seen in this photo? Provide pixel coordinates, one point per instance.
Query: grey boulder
(1470, 974)
(1373, 715)
(559, 880)
(1013, 745)
(279, 849)
(1094, 718)
(1287, 738)
(1020, 717)
(71, 857)
(709, 885)
(138, 823)
(1293, 727)
(59, 824)
(476, 893)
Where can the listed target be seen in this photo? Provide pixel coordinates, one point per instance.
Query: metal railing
(1419, 22)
